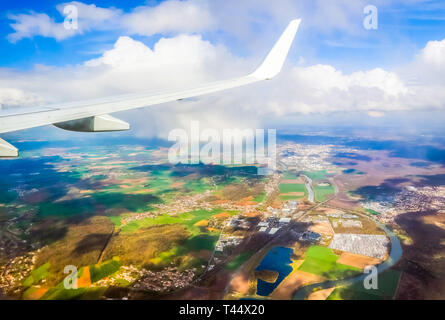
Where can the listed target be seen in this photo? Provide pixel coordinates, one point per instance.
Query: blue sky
(41, 50)
(335, 67)
(403, 30)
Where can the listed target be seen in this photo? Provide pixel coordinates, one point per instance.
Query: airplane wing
(93, 115)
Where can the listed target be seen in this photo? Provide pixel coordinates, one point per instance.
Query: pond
(277, 259)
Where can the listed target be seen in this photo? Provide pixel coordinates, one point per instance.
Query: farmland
(323, 262)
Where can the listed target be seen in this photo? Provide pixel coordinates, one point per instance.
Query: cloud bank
(167, 17)
(184, 59)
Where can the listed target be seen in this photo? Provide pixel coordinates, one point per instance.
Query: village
(409, 199)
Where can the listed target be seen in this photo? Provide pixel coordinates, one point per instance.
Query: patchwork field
(357, 261)
(294, 281)
(292, 191)
(323, 262)
(322, 193)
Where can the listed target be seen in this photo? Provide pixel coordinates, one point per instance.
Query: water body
(394, 257)
(277, 259)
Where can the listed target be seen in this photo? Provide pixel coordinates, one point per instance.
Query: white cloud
(40, 24)
(16, 97)
(37, 24)
(184, 60)
(241, 19)
(434, 53)
(171, 16)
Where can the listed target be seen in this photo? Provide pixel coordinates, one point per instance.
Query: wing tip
(274, 62)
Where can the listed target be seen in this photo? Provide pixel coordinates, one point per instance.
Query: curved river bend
(394, 257)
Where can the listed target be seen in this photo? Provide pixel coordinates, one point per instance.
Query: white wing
(92, 116)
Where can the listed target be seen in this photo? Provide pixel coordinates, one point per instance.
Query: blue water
(277, 259)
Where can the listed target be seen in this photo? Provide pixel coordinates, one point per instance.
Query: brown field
(142, 247)
(320, 294)
(324, 228)
(143, 191)
(292, 181)
(203, 254)
(246, 203)
(240, 284)
(356, 260)
(294, 194)
(222, 215)
(202, 223)
(81, 244)
(36, 294)
(267, 275)
(177, 185)
(329, 210)
(86, 191)
(85, 280)
(252, 214)
(276, 204)
(295, 280)
(135, 181)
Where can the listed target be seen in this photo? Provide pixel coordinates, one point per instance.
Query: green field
(322, 261)
(78, 207)
(189, 247)
(290, 176)
(188, 219)
(387, 286)
(260, 198)
(317, 175)
(37, 275)
(292, 187)
(60, 293)
(103, 270)
(373, 212)
(199, 238)
(322, 193)
(238, 261)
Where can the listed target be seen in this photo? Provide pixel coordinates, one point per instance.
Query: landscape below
(136, 227)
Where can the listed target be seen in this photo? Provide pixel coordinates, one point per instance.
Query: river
(394, 257)
(310, 191)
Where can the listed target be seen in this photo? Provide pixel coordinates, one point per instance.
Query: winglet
(277, 56)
